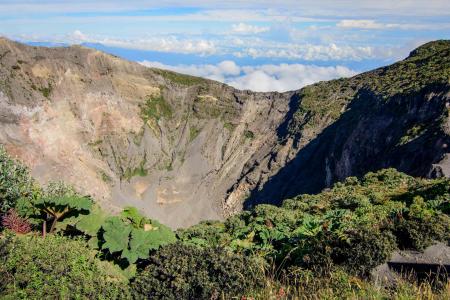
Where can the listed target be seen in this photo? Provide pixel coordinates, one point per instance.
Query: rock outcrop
(184, 149)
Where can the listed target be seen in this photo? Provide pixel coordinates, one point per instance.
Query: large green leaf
(90, 224)
(142, 241)
(60, 203)
(139, 246)
(116, 234)
(132, 214)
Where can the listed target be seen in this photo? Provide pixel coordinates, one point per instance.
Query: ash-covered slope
(184, 149)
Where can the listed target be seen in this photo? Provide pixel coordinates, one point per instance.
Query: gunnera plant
(180, 271)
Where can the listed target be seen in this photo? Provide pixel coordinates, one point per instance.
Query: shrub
(16, 223)
(418, 233)
(180, 271)
(15, 182)
(55, 268)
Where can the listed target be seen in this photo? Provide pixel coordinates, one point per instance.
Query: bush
(16, 223)
(179, 271)
(54, 268)
(15, 182)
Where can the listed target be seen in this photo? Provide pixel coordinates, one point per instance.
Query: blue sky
(260, 45)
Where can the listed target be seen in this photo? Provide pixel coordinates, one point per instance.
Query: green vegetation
(180, 271)
(180, 78)
(322, 245)
(208, 106)
(58, 202)
(15, 182)
(137, 171)
(46, 91)
(156, 108)
(412, 134)
(249, 135)
(55, 268)
(355, 225)
(323, 102)
(105, 177)
(229, 126)
(193, 133)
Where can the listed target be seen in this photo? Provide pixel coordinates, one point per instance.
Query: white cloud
(157, 43)
(78, 36)
(311, 52)
(363, 24)
(244, 46)
(243, 28)
(372, 24)
(263, 78)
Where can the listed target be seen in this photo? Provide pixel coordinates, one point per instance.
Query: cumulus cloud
(243, 28)
(236, 46)
(311, 52)
(263, 78)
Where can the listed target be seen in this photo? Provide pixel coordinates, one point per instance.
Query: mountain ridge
(183, 149)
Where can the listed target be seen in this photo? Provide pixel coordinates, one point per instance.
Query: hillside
(338, 244)
(184, 149)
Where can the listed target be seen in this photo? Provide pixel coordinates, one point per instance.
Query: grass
(193, 133)
(180, 78)
(95, 143)
(137, 171)
(208, 107)
(323, 102)
(411, 134)
(340, 285)
(156, 108)
(46, 91)
(105, 177)
(229, 126)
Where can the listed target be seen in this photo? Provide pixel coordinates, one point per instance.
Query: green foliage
(180, 271)
(213, 107)
(300, 283)
(229, 126)
(412, 133)
(116, 234)
(156, 108)
(193, 133)
(126, 237)
(131, 236)
(180, 78)
(355, 226)
(325, 101)
(61, 201)
(46, 91)
(55, 268)
(15, 182)
(249, 134)
(137, 171)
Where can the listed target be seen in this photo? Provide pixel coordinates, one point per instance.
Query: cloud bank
(263, 78)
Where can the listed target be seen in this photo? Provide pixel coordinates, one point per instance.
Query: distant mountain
(184, 149)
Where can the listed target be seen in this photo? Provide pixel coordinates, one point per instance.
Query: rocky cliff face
(185, 149)
(396, 116)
